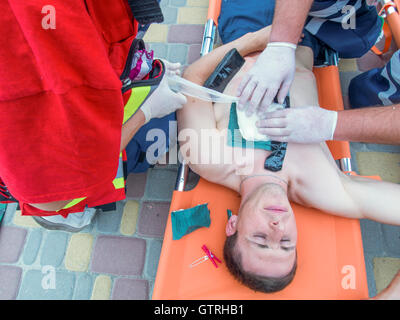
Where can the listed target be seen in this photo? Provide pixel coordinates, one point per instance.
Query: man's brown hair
(264, 284)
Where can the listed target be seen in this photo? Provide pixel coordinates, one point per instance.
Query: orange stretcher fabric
(330, 255)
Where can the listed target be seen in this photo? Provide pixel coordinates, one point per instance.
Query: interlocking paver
(118, 255)
(32, 246)
(192, 15)
(384, 164)
(194, 53)
(109, 221)
(12, 241)
(54, 246)
(47, 285)
(385, 268)
(136, 183)
(188, 34)
(83, 287)
(78, 252)
(24, 221)
(101, 288)
(161, 183)
(156, 33)
(153, 218)
(152, 258)
(130, 289)
(177, 53)
(129, 218)
(391, 236)
(10, 278)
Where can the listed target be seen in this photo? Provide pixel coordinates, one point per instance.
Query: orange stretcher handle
(330, 97)
(394, 23)
(214, 8)
(393, 19)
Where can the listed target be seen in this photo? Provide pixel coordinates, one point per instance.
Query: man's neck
(251, 182)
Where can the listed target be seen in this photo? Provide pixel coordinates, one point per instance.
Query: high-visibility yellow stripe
(119, 183)
(72, 203)
(137, 97)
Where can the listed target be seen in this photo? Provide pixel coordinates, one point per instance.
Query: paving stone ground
(117, 256)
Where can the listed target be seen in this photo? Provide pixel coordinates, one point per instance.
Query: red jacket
(61, 108)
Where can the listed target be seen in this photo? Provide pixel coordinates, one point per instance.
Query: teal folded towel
(235, 138)
(186, 221)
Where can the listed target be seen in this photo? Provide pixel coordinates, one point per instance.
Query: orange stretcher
(330, 251)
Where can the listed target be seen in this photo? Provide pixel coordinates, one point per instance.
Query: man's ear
(231, 225)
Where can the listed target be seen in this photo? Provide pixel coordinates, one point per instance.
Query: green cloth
(235, 138)
(186, 221)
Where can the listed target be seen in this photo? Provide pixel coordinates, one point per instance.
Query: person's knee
(51, 206)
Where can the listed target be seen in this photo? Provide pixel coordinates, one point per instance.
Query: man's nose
(277, 229)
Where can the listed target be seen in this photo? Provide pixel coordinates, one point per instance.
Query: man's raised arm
(374, 200)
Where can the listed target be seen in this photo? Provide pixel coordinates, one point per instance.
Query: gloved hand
(270, 77)
(172, 68)
(163, 100)
(299, 125)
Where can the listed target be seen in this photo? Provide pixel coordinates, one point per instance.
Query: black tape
(225, 71)
(274, 161)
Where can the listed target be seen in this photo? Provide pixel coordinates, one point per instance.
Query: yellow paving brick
(197, 3)
(156, 33)
(346, 65)
(192, 15)
(24, 221)
(384, 164)
(78, 252)
(129, 218)
(101, 288)
(385, 269)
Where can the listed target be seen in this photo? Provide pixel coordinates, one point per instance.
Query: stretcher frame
(328, 72)
(390, 12)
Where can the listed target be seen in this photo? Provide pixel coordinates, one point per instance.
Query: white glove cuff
(147, 114)
(282, 44)
(334, 123)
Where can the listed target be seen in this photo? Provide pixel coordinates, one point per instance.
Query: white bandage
(189, 88)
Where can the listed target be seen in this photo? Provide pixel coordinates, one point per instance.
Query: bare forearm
(376, 200)
(200, 70)
(369, 125)
(130, 128)
(289, 19)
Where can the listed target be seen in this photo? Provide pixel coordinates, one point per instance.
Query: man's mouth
(276, 209)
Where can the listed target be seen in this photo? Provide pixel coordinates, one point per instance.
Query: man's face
(267, 233)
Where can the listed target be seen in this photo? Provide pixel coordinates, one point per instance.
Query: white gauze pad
(247, 125)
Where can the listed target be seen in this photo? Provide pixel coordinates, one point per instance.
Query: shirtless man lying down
(261, 240)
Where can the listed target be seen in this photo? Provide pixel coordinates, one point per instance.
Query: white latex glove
(172, 68)
(271, 76)
(162, 102)
(299, 125)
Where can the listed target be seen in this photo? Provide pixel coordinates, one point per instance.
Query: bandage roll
(186, 87)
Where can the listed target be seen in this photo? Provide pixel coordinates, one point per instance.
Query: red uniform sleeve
(61, 108)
